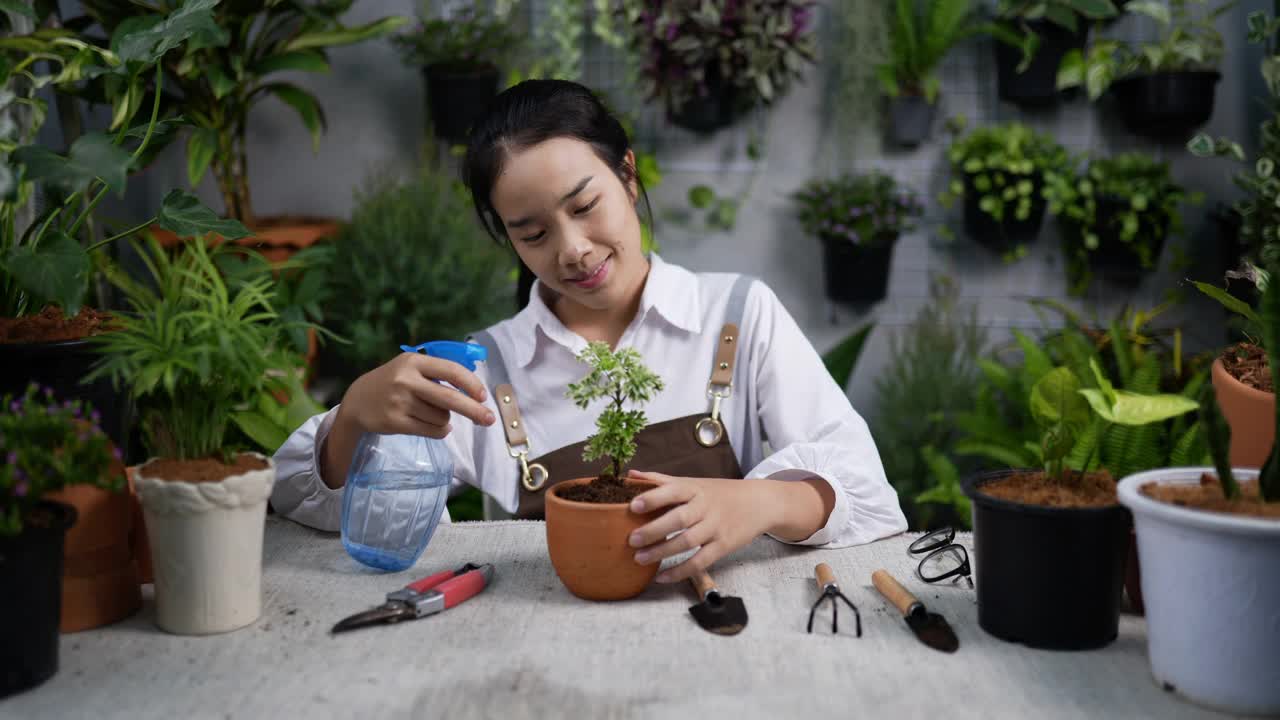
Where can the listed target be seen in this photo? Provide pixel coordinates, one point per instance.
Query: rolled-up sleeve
(299, 494)
(815, 429)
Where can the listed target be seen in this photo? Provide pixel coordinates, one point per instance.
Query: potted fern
(1050, 543)
(858, 218)
(1116, 214)
(589, 519)
(1032, 37)
(192, 353)
(48, 445)
(1209, 546)
(920, 36)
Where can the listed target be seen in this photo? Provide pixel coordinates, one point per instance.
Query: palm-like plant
(921, 34)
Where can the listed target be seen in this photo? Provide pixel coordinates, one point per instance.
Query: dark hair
(532, 112)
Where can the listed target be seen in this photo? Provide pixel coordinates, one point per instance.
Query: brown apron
(691, 446)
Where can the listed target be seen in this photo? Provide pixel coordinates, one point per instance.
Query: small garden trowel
(931, 628)
(720, 614)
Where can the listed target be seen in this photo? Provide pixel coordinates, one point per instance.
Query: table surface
(526, 648)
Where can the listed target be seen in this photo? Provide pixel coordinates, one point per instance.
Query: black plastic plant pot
(1037, 86)
(704, 113)
(1166, 105)
(857, 274)
(1114, 259)
(457, 97)
(61, 366)
(1008, 232)
(910, 120)
(1048, 577)
(31, 604)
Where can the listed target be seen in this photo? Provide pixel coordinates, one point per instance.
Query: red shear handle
(430, 582)
(462, 587)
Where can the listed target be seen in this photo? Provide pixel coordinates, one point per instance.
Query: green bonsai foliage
(921, 34)
(1008, 166)
(194, 352)
(1129, 199)
(1188, 40)
(620, 377)
(869, 209)
(47, 446)
(470, 38)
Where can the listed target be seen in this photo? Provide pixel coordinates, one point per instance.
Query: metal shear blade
(389, 613)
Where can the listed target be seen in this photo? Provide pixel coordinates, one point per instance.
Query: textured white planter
(1211, 584)
(206, 547)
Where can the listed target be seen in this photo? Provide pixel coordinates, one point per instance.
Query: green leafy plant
(448, 278)
(1188, 40)
(193, 352)
(842, 359)
(862, 34)
(1013, 20)
(619, 377)
(753, 48)
(864, 209)
(946, 489)
(1129, 199)
(469, 38)
(1008, 166)
(235, 65)
(921, 34)
(51, 261)
(931, 379)
(48, 446)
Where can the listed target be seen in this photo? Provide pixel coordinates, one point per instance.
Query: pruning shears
(427, 596)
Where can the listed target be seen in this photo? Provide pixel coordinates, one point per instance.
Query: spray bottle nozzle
(465, 354)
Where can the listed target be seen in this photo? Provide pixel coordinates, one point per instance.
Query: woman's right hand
(401, 398)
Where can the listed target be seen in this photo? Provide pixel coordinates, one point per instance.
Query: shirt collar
(670, 290)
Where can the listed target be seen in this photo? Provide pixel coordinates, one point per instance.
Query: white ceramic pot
(1211, 584)
(206, 547)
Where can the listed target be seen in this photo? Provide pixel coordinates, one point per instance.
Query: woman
(552, 172)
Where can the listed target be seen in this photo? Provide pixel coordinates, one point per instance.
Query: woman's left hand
(718, 514)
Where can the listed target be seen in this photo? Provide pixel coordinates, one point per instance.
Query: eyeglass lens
(933, 540)
(943, 563)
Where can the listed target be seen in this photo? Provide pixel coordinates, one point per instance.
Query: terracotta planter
(100, 582)
(1251, 414)
(589, 549)
(277, 238)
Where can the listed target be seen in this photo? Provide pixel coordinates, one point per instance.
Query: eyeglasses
(943, 558)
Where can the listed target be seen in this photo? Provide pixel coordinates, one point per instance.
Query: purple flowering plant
(752, 49)
(48, 445)
(864, 209)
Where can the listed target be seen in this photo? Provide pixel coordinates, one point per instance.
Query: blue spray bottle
(398, 484)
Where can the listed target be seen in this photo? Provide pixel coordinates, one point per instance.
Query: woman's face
(572, 222)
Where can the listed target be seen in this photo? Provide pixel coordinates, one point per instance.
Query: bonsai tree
(234, 67)
(621, 378)
(49, 445)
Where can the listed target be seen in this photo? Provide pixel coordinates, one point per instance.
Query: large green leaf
(19, 8)
(1055, 400)
(1136, 409)
(56, 270)
(94, 155)
(183, 214)
(267, 434)
(145, 39)
(346, 36)
(306, 105)
(201, 147)
(843, 358)
(1229, 301)
(300, 60)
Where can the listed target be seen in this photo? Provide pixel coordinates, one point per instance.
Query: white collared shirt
(782, 394)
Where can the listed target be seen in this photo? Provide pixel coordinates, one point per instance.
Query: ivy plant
(1014, 17)
(620, 378)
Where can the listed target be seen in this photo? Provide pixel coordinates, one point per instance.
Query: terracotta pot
(99, 571)
(277, 238)
(1251, 414)
(589, 549)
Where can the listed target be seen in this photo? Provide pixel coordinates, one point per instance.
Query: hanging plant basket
(457, 97)
(1037, 86)
(1166, 105)
(857, 274)
(910, 120)
(1115, 259)
(1009, 232)
(719, 107)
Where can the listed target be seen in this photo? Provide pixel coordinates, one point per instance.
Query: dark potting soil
(1248, 364)
(604, 489)
(1208, 496)
(51, 325)
(1075, 490)
(210, 469)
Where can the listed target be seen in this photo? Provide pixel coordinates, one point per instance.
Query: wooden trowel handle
(826, 576)
(703, 583)
(893, 590)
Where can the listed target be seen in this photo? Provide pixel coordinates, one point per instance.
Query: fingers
(684, 542)
(668, 492)
(410, 425)
(451, 372)
(415, 383)
(683, 516)
(701, 560)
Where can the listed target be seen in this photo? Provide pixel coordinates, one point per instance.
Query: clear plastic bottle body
(395, 494)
